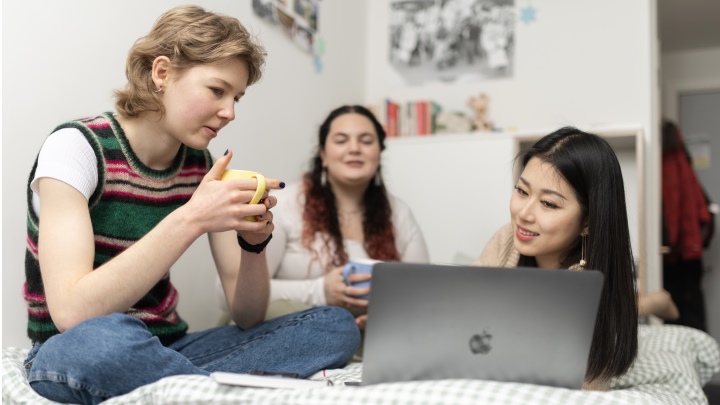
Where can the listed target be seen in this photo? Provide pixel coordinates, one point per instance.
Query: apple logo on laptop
(480, 343)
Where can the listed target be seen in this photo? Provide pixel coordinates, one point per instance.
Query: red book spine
(392, 123)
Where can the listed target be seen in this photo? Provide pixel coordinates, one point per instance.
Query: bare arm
(66, 246)
(244, 278)
(66, 250)
(658, 303)
(244, 275)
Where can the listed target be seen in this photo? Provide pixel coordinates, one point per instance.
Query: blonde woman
(114, 200)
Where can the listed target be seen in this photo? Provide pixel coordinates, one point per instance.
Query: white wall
(684, 71)
(585, 63)
(61, 60)
(457, 203)
(580, 63)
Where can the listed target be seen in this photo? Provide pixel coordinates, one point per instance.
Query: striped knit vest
(130, 199)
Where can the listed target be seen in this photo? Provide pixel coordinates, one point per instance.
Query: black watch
(253, 248)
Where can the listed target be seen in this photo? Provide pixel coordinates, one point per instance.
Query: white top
(66, 156)
(296, 276)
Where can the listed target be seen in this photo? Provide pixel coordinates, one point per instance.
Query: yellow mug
(246, 174)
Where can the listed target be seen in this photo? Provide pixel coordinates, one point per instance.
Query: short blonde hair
(188, 36)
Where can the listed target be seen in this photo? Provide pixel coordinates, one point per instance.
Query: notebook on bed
(431, 322)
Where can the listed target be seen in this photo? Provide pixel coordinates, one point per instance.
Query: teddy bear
(479, 105)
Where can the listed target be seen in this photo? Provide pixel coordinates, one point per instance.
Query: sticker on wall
(449, 40)
(299, 20)
(699, 148)
(528, 13)
(318, 52)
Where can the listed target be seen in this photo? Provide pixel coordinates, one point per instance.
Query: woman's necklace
(351, 226)
(342, 213)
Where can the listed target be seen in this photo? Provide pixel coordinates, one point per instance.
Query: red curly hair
(320, 216)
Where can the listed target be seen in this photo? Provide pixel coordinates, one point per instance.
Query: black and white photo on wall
(298, 18)
(448, 40)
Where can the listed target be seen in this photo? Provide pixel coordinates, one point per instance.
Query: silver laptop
(527, 325)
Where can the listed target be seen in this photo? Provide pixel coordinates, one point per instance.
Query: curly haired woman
(341, 211)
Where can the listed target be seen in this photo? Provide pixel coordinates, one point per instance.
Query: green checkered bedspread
(673, 364)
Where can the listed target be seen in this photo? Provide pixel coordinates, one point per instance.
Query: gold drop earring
(583, 261)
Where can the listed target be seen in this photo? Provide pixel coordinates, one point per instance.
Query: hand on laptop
(342, 295)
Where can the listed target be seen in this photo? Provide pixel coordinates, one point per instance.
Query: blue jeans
(112, 355)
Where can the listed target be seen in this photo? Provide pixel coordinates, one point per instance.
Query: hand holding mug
(340, 294)
(246, 174)
(261, 196)
(357, 273)
(241, 203)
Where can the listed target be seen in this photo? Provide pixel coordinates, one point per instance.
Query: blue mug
(358, 267)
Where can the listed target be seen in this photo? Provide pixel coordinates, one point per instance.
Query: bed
(673, 364)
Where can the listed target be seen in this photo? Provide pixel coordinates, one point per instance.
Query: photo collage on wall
(298, 18)
(448, 40)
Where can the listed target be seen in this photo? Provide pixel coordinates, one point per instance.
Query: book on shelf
(411, 112)
(391, 118)
(412, 118)
(419, 120)
(433, 109)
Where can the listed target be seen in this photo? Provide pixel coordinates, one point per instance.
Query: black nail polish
(260, 216)
(267, 223)
(282, 184)
(226, 152)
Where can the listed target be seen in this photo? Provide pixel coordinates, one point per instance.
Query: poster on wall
(298, 18)
(449, 40)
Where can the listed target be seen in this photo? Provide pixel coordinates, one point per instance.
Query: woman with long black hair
(568, 212)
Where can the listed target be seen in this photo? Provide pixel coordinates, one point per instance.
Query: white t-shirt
(66, 156)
